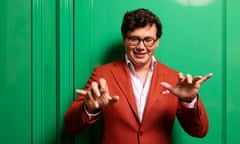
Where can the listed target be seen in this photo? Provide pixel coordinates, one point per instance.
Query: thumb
(114, 99)
(81, 92)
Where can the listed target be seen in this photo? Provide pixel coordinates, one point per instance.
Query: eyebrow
(134, 36)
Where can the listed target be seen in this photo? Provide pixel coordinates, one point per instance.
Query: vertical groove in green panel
(36, 71)
(49, 71)
(43, 72)
(91, 41)
(224, 72)
(58, 70)
(92, 56)
(65, 62)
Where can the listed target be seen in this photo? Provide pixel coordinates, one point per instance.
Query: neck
(142, 72)
(140, 69)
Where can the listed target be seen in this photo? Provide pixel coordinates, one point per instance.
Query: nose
(141, 45)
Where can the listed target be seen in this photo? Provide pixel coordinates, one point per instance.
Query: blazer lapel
(122, 78)
(155, 89)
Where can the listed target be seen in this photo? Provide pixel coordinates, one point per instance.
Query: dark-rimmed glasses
(147, 41)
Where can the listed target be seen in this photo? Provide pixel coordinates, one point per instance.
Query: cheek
(128, 49)
(151, 50)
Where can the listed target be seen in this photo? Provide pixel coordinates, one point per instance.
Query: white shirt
(140, 90)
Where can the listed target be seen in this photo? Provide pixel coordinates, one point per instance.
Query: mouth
(139, 55)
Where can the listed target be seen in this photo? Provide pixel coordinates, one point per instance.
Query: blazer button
(141, 133)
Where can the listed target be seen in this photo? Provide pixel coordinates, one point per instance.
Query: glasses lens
(148, 42)
(133, 41)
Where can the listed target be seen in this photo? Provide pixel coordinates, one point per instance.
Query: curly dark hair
(140, 18)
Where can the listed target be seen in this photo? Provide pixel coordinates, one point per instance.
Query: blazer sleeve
(76, 119)
(193, 120)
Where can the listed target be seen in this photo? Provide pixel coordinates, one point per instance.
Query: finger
(181, 77)
(95, 89)
(197, 78)
(188, 79)
(206, 77)
(91, 98)
(166, 85)
(103, 86)
(104, 101)
(90, 95)
(113, 100)
(81, 92)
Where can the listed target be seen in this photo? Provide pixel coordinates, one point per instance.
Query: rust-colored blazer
(121, 124)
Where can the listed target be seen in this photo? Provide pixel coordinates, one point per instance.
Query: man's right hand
(97, 96)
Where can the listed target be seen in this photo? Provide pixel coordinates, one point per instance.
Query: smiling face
(140, 54)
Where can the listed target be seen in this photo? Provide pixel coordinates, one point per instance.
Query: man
(138, 97)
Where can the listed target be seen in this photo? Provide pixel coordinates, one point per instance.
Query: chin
(140, 63)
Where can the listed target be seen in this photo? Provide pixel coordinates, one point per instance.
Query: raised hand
(97, 96)
(187, 87)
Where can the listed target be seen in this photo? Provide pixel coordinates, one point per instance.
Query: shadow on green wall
(114, 51)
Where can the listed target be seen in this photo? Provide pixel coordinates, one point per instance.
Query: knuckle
(94, 84)
(102, 80)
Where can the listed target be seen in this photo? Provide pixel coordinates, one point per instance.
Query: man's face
(140, 45)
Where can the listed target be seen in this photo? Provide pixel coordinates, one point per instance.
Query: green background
(48, 48)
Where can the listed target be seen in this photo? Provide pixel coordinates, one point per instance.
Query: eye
(148, 40)
(133, 39)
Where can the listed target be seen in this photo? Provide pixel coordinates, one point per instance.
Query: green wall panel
(28, 72)
(192, 43)
(44, 99)
(65, 62)
(15, 73)
(232, 71)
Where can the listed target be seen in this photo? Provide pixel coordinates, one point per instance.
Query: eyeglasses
(147, 41)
